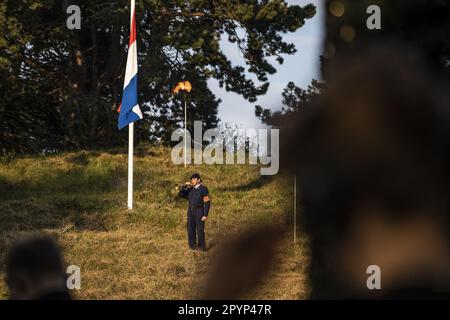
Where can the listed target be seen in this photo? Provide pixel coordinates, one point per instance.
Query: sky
(301, 68)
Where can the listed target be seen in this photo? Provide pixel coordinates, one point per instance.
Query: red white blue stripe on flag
(129, 109)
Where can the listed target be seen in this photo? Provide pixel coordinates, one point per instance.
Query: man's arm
(206, 202)
(184, 191)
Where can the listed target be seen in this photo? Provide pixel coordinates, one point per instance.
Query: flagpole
(129, 110)
(185, 131)
(130, 164)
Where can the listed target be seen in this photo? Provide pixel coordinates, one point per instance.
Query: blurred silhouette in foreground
(424, 25)
(372, 160)
(35, 270)
(242, 263)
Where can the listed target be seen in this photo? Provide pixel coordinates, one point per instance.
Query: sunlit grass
(80, 198)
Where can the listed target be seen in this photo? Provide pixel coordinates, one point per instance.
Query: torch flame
(183, 86)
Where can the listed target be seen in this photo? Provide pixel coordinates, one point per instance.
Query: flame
(183, 86)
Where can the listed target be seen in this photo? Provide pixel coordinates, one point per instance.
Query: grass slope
(80, 198)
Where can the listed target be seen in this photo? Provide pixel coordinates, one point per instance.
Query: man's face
(194, 181)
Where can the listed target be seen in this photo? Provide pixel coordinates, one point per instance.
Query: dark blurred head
(34, 268)
(371, 157)
(242, 263)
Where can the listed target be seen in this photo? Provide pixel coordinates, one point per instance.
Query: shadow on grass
(76, 181)
(139, 151)
(75, 199)
(254, 184)
(35, 214)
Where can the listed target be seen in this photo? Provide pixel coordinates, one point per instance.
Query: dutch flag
(129, 110)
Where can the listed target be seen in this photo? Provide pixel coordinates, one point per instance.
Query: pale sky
(300, 68)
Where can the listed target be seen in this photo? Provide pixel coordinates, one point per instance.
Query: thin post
(185, 131)
(295, 209)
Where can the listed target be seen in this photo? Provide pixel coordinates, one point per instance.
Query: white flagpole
(130, 164)
(185, 132)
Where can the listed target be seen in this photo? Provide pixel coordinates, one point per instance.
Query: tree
(423, 25)
(295, 99)
(67, 84)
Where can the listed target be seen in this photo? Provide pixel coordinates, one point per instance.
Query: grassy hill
(80, 198)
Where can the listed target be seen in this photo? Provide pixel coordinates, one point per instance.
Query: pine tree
(61, 88)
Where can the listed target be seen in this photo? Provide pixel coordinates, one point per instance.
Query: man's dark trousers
(196, 229)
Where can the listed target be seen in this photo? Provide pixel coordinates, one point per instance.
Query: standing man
(199, 204)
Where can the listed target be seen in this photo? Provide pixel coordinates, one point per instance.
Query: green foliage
(295, 99)
(61, 88)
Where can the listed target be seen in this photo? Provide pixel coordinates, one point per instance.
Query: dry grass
(80, 198)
